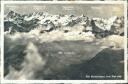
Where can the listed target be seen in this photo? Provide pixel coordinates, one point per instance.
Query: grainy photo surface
(64, 41)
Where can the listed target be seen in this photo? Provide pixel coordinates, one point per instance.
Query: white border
(2, 40)
(62, 2)
(125, 42)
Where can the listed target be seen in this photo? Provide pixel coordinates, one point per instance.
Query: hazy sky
(92, 10)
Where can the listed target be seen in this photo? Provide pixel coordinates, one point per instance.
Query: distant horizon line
(63, 14)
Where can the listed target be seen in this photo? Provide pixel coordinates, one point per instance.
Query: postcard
(64, 42)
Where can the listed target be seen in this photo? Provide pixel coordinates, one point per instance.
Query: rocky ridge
(46, 22)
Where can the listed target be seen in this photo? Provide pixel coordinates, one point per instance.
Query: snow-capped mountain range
(101, 27)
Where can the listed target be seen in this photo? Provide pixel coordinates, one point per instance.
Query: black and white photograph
(67, 41)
